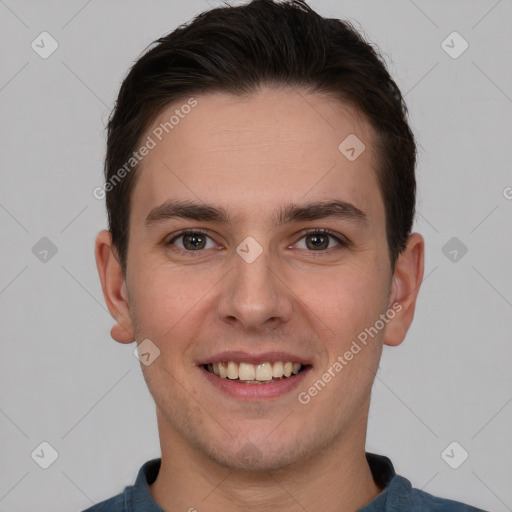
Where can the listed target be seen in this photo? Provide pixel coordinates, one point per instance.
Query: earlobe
(405, 288)
(114, 287)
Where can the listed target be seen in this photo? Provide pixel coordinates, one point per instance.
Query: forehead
(272, 147)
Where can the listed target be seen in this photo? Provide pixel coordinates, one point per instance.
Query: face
(284, 259)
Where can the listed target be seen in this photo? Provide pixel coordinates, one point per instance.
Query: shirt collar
(138, 497)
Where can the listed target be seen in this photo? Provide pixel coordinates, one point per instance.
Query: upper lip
(253, 358)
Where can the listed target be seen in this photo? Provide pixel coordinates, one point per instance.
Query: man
(260, 190)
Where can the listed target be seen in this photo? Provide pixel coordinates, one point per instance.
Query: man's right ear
(114, 287)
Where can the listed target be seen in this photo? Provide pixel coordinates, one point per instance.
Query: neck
(338, 479)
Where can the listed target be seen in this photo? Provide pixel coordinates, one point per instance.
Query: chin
(259, 457)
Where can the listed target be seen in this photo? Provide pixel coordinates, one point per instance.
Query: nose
(255, 294)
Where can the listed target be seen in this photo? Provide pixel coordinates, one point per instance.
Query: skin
(273, 147)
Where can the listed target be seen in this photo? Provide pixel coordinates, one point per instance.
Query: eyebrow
(292, 212)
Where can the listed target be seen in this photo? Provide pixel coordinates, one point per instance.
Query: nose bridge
(253, 294)
(255, 278)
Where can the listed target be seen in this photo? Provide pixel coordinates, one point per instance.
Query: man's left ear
(407, 280)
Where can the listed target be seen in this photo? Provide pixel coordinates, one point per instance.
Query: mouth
(262, 373)
(253, 377)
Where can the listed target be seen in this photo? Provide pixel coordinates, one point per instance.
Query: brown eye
(317, 241)
(320, 240)
(191, 241)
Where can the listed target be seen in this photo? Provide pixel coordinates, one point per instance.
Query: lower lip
(239, 389)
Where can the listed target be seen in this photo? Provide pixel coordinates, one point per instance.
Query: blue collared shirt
(397, 495)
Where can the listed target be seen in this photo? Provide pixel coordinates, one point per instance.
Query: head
(260, 123)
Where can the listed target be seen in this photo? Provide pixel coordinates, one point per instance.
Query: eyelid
(187, 232)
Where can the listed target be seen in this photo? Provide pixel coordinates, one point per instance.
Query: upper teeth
(251, 372)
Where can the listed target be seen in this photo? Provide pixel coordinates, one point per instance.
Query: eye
(317, 240)
(320, 239)
(192, 241)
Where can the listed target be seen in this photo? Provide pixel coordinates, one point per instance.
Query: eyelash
(342, 243)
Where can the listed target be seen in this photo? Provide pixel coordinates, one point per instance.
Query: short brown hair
(239, 49)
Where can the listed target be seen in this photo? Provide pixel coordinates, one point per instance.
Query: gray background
(63, 380)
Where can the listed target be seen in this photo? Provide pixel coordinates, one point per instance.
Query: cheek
(345, 302)
(163, 299)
